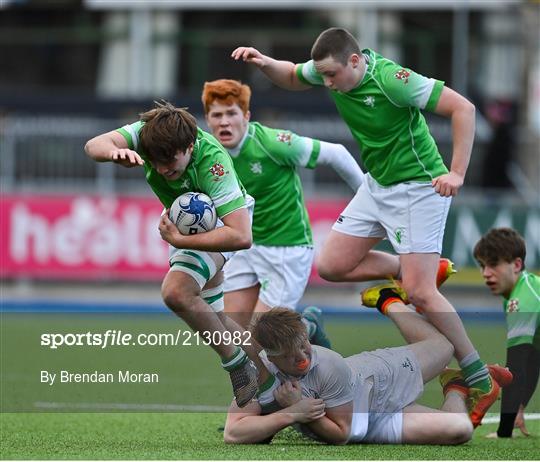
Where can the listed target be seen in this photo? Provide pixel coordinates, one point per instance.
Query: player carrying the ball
(407, 191)
(276, 269)
(179, 157)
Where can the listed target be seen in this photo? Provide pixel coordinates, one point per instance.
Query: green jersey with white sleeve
(384, 117)
(266, 161)
(522, 311)
(210, 171)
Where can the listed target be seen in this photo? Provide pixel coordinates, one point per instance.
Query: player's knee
(418, 295)
(328, 275)
(329, 270)
(460, 430)
(444, 347)
(177, 298)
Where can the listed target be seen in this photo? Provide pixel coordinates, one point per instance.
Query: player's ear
(354, 59)
(518, 265)
(247, 116)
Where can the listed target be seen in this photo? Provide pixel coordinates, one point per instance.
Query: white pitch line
(129, 407)
(494, 418)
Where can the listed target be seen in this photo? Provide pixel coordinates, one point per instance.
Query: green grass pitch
(190, 377)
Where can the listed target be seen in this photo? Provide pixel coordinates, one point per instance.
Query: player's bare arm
(335, 426)
(234, 235)
(112, 147)
(282, 73)
(246, 425)
(462, 113)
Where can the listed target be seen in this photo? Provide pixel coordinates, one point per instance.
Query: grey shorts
(397, 382)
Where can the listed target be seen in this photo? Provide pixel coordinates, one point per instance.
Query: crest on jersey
(369, 101)
(185, 184)
(284, 137)
(513, 306)
(218, 171)
(256, 168)
(403, 74)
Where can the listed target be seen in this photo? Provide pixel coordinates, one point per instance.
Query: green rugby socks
(475, 372)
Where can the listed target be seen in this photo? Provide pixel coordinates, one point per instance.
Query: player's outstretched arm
(247, 425)
(462, 113)
(282, 73)
(112, 147)
(234, 235)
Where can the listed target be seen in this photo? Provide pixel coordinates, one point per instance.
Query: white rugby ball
(193, 213)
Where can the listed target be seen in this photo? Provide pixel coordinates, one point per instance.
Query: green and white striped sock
(233, 362)
(475, 372)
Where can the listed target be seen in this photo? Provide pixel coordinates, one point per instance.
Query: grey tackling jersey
(336, 381)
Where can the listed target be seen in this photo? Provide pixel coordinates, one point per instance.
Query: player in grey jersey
(365, 398)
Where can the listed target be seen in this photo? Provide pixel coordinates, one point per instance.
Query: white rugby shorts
(411, 215)
(282, 272)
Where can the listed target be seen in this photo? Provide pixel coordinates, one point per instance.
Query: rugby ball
(193, 213)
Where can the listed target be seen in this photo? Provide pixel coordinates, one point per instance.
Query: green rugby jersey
(210, 171)
(523, 311)
(383, 115)
(266, 161)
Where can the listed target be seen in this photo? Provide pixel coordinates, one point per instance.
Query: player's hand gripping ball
(193, 213)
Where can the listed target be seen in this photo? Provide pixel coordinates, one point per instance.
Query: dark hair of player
(500, 245)
(337, 43)
(167, 129)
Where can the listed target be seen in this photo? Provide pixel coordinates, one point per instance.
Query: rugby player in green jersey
(501, 255)
(178, 157)
(276, 269)
(407, 189)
